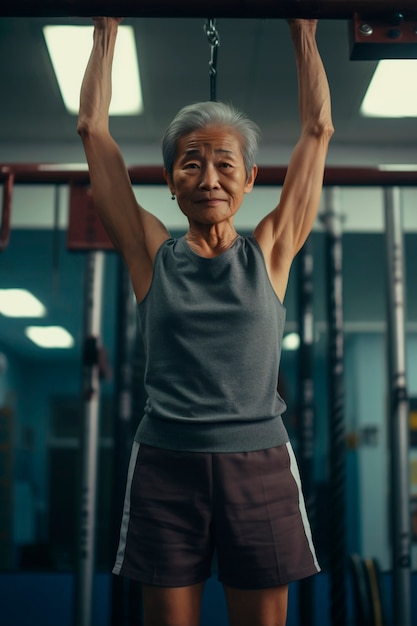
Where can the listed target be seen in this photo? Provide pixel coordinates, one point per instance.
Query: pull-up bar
(325, 9)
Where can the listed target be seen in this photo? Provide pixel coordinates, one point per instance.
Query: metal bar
(328, 9)
(337, 480)
(6, 212)
(398, 411)
(84, 578)
(44, 173)
(305, 425)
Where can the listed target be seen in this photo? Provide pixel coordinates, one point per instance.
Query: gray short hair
(203, 114)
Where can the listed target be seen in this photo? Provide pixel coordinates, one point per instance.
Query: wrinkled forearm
(313, 88)
(96, 87)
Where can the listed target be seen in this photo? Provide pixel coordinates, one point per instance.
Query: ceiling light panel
(392, 91)
(20, 303)
(69, 48)
(50, 336)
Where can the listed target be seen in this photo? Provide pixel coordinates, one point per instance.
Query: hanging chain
(214, 41)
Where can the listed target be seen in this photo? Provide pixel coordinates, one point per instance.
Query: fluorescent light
(291, 341)
(392, 91)
(49, 336)
(70, 47)
(20, 303)
(397, 167)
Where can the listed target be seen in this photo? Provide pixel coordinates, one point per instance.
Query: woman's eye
(190, 166)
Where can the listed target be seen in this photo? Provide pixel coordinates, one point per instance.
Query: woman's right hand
(101, 22)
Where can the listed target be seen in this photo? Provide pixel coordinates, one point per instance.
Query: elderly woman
(211, 468)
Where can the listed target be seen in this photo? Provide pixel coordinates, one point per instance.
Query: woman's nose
(209, 178)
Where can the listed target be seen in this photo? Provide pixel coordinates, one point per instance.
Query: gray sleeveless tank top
(212, 331)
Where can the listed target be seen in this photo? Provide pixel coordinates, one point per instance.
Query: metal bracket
(391, 37)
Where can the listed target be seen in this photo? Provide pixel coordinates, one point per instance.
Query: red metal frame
(57, 174)
(345, 176)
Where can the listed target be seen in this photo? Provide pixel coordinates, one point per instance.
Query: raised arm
(282, 232)
(136, 233)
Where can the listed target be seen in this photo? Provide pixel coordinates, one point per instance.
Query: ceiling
(256, 72)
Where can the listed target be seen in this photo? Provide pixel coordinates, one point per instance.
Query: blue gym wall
(27, 385)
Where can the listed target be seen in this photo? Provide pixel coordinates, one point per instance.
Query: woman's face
(209, 177)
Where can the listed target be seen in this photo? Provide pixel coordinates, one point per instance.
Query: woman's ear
(250, 181)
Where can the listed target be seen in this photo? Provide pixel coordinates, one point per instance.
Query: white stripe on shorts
(126, 510)
(301, 503)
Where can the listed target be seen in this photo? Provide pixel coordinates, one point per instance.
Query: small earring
(173, 196)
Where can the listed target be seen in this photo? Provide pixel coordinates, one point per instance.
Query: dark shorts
(247, 507)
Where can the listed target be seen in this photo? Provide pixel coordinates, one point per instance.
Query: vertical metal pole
(398, 411)
(333, 220)
(126, 594)
(6, 211)
(306, 408)
(89, 441)
(56, 239)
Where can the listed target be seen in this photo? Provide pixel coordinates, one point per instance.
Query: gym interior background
(41, 399)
